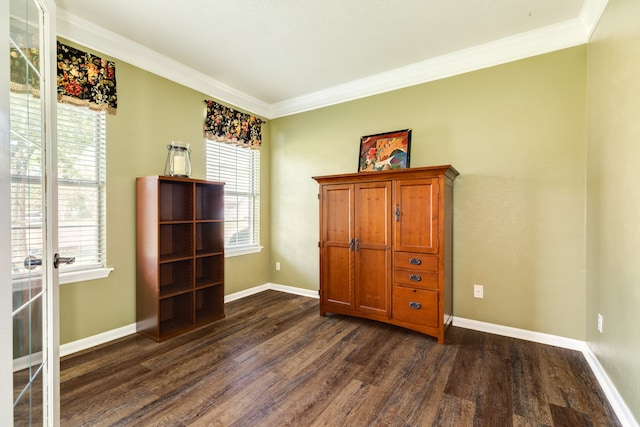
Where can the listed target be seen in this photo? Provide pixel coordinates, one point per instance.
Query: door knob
(57, 260)
(32, 262)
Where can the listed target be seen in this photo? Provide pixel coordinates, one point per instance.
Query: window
(239, 169)
(81, 188)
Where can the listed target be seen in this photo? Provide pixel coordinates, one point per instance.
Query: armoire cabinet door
(416, 211)
(386, 247)
(373, 247)
(336, 252)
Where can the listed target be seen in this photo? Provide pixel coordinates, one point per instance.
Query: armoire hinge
(318, 196)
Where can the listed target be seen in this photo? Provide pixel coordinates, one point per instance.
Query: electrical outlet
(278, 265)
(600, 319)
(478, 291)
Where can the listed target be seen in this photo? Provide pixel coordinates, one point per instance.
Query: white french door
(28, 220)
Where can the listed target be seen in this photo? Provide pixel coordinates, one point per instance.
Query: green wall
(548, 163)
(517, 135)
(613, 215)
(152, 111)
(515, 132)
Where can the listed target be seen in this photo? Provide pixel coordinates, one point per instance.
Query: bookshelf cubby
(179, 255)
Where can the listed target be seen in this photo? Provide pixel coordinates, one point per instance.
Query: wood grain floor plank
(494, 397)
(343, 409)
(454, 411)
(425, 383)
(301, 399)
(564, 416)
(530, 401)
(467, 372)
(230, 410)
(595, 402)
(274, 362)
(570, 384)
(305, 387)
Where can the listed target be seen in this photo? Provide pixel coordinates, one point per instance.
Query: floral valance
(85, 79)
(24, 78)
(225, 124)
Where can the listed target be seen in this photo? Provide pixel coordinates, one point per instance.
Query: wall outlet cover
(600, 320)
(478, 291)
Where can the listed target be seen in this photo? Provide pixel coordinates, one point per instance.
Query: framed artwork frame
(385, 151)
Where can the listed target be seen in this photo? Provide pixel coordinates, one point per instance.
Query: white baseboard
(105, 337)
(94, 340)
(617, 402)
(521, 334)
(246, 293)
(274, 287)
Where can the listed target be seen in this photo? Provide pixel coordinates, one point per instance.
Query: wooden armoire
(386, 247)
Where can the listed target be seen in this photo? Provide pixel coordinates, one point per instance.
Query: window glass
(239, 169)
(81, 186)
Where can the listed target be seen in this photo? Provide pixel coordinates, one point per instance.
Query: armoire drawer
(415, 306)
(416, 261)
(416, 279)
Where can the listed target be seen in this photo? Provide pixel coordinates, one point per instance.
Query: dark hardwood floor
(275, 362)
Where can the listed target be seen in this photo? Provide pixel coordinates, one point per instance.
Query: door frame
(6, 324)
(51, 373)
(51, 345)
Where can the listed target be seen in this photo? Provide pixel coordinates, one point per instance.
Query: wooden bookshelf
(179, 255)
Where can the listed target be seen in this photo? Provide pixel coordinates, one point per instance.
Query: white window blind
(27, 197)
(239, 169)
(81, 185)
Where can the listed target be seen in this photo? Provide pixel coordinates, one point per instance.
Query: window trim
(69, 277)
(254, 249)
(86, 272)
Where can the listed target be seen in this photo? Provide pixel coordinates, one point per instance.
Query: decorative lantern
(178, 162)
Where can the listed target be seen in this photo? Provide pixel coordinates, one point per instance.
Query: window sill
(228, 253)
(83, 275)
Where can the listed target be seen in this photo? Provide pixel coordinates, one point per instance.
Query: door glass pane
(28, 376)
(26, 111)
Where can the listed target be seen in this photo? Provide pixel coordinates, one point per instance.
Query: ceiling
(279, 57)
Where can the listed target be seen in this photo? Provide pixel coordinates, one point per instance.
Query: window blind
(81, 185)
(27, 197)
(239, 169)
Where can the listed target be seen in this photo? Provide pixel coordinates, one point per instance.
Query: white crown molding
(590, 15)
(563, 35)
(554, 37)
(548, 39)
(88, 34)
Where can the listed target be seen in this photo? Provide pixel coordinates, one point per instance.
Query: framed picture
(385, 151)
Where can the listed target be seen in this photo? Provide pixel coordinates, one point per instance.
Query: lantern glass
(178, 161)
